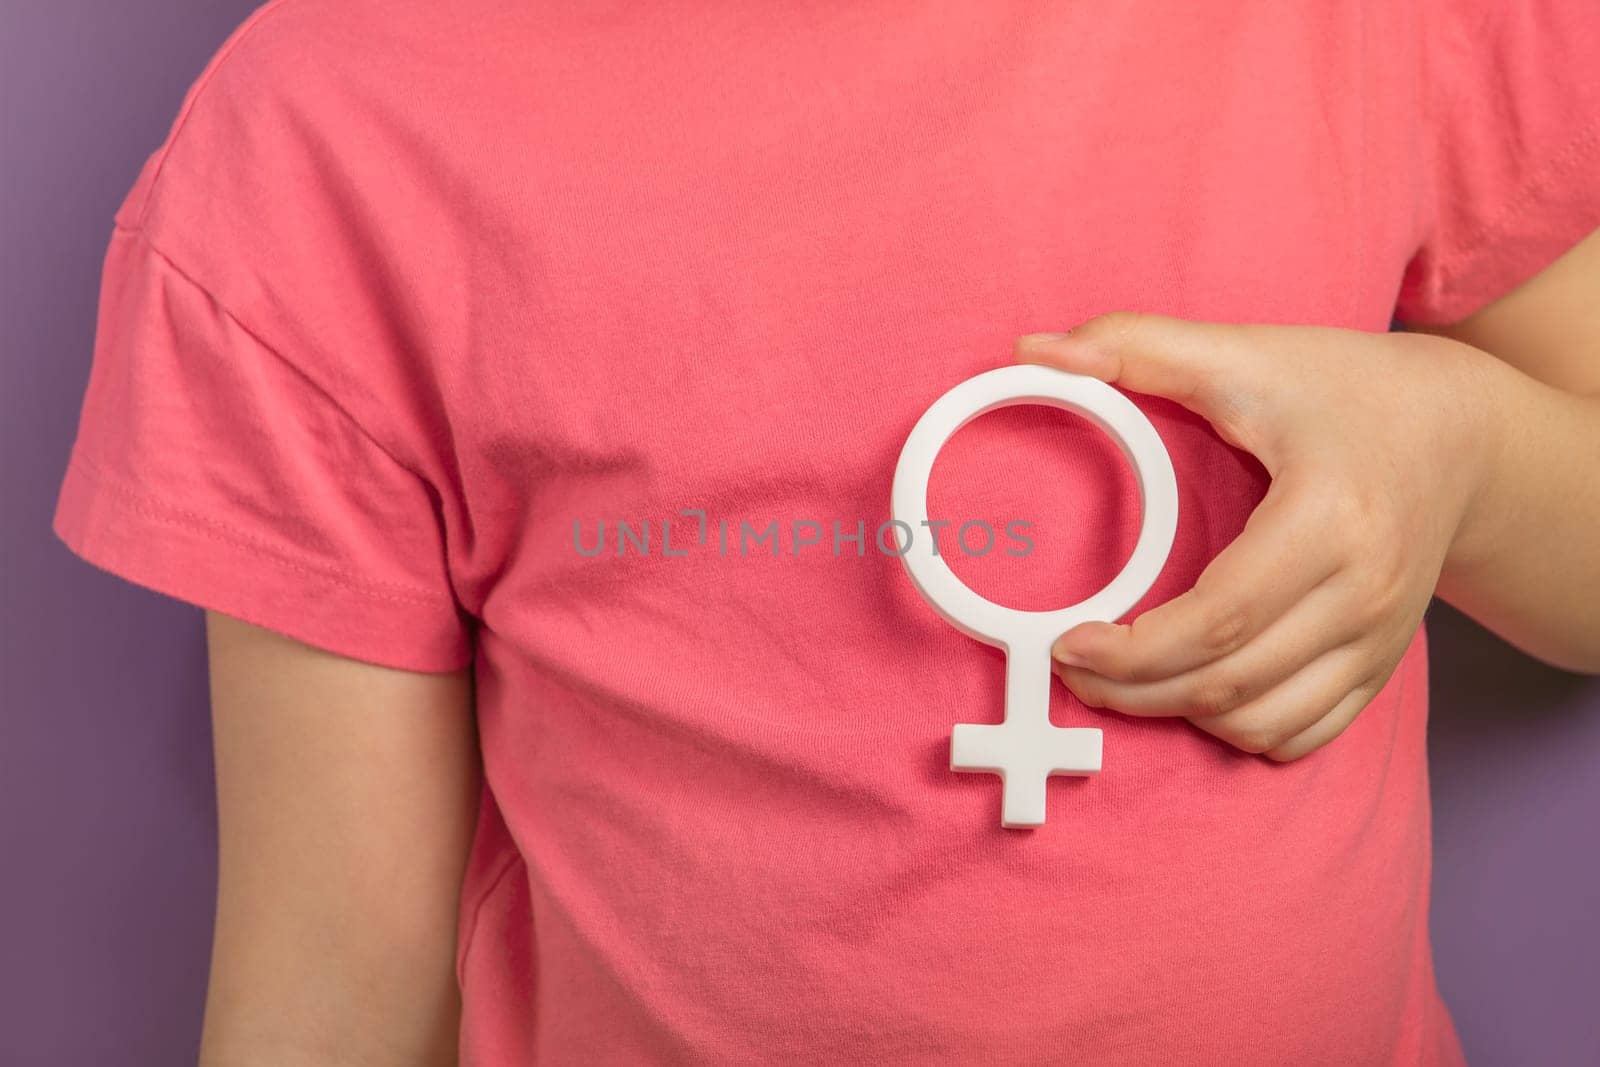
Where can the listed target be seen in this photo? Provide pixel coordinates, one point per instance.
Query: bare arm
(1527, 560)
(346, 795)
(1549, 327)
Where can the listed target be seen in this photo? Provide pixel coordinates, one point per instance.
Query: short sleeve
(1511, 136)
(209, 468)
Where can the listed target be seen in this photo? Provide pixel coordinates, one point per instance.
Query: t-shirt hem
(126, 533)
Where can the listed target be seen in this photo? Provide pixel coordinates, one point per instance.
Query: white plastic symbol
(1025, 749)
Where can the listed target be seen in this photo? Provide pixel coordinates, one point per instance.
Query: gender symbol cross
(1026, 748)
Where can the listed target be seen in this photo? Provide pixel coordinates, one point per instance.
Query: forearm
(1526, 561)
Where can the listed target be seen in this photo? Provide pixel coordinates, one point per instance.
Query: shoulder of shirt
(285, 57)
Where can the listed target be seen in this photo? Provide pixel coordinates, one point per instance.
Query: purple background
(106, 821)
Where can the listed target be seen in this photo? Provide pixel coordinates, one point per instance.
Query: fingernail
(1042, 338)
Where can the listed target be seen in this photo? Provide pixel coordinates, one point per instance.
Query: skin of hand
(1293, 628)
(1395, 459)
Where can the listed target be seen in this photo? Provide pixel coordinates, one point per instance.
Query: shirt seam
(237, 38)
(140, 233)
(1434, 107)
(142, 503)
(471, 936)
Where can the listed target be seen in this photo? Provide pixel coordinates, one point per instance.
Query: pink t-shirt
(420, 304)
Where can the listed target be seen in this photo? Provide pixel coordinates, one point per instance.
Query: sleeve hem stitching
(160, 511)
(1575, 152)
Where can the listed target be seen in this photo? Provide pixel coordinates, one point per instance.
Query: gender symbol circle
(1026, 748)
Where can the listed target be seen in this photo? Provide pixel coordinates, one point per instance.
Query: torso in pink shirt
(487, 276)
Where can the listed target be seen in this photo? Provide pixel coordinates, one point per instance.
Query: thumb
(1196, 364)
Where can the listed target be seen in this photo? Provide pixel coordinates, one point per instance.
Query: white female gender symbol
(1025, 749)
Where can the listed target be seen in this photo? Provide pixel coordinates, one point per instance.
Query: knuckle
(1365, 609)
(1218, 694)
(1383, 603)
(1378, 600)
(1225, 630)
(1392, 573)
(1130, 665)
(1138, 670)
